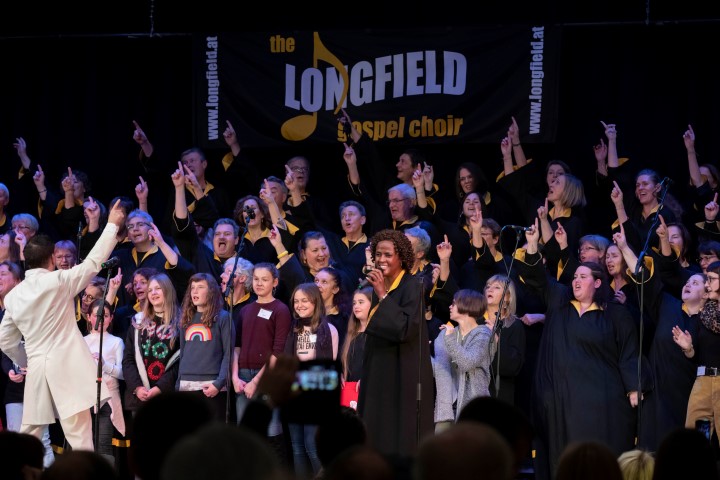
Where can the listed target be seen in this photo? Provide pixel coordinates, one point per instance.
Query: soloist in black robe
(397, 357)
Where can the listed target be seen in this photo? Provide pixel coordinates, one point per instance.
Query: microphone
(249, 211)
(518, 228)
(110, 263)
(363, 283)
(667, 181)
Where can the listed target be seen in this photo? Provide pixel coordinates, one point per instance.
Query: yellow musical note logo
(302, 126)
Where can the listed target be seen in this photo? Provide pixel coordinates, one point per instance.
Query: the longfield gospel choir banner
(404, 86)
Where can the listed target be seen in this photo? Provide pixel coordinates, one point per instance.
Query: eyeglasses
(712, 278)
(87, 297)
(300, 169)
(21, 227)
(130, 226)
(707, 258)
(395, 201)
(586, 248)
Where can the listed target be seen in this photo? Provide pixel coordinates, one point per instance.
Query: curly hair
(403, 247)
(238, 216)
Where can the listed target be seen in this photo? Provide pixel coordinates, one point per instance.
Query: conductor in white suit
(61, 372)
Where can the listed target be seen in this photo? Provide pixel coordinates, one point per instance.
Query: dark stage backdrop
(74, 99)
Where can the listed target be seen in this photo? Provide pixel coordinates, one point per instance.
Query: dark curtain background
(73, 100)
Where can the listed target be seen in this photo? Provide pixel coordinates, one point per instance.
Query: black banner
(401, 86)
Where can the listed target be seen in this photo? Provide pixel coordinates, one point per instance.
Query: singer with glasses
(59, 364)
(150, 248)
(704, 350)
(673, 372)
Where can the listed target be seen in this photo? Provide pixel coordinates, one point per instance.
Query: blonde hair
(637, 465)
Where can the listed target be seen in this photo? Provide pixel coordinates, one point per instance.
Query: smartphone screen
(316, 393)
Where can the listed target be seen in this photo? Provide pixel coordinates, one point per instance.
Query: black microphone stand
(497, 327)
(640, 271)
(79, 241)
(418, 415)
(230, 295)
(99, 326)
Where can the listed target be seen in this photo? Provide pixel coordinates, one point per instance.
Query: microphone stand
(99, 326)
(79, 241)
(497, 327)
(640, 271)
(418, 415)
(230, 295)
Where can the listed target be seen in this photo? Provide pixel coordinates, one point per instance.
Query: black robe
(586, 366)
(397, 358)
(665, 406)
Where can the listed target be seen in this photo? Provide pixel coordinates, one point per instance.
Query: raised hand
(561, 236)
(39, 179)
(444, 249)
(155, 235)
(711, 209)
(349, 155)
(506, 146)
(532, 234)
(138, 134)
(682, 337)
(141, 191)
(662, 230)
(116, 281)
(542, 211)
(117, 215)
(67, 182)
(229, 134)
(513, 132)
(610, 131)
(21, 148)
(92, 211)
(265, 194)
(616, 195)
(417, 179)
(178, 176)
(689, 138)
(619, 238)
(290, 182)
(428, 176)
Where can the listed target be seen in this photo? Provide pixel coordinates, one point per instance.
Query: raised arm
(517, 150)
(506, 150)
(142, 140)
(231, 139)
(617, 198)
(141, 192)
(351, 162)
(21, 147)
(178, 180)
(274, 209)
(627, 252)
(170, 254)
(693, 167)
(611, 134)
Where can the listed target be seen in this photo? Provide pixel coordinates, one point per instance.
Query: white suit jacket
(61, 373)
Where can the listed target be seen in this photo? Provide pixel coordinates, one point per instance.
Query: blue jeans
(302, 438)
(241, 401)
(14, 412)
